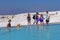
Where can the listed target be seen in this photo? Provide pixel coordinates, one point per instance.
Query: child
(18, 26)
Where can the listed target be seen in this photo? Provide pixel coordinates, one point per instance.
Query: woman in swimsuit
(29, 19)
(41, 19)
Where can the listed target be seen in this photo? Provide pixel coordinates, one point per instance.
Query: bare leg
(47, 23)
(29, 23)
(41, 24)
(34, 21)
(37, 22)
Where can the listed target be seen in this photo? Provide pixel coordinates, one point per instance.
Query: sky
(23, 6)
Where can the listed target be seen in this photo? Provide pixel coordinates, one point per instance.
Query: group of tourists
(38, 19)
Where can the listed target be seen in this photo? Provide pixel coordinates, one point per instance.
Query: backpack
(33, 16)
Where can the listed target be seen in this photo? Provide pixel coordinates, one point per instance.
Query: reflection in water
(29, 28)
(33, 33)
(44, 33)
(9, 36)
(28, 33)
(9, 29)
(41, 29)
(37, 27)
(47, 32)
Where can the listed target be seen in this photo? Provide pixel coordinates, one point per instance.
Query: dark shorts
(47, 20)
(29, 20)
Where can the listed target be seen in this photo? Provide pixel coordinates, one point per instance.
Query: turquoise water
(35, 32)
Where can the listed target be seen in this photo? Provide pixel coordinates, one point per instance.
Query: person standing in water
(35, 17)
(29, 19)
(41, 19)
(18, 26)
(47, 18)
(9, 24)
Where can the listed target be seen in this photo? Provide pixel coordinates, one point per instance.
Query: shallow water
(34, 32)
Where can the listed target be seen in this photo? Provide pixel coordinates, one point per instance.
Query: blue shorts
(41, 20)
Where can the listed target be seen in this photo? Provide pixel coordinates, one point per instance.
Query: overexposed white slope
(22, 19)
